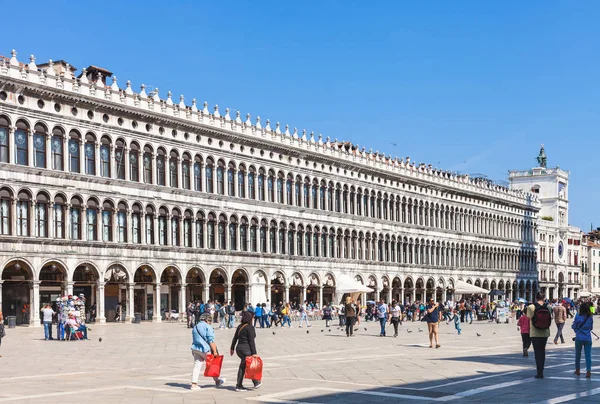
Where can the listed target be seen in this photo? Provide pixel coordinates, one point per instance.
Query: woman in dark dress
(244, 339)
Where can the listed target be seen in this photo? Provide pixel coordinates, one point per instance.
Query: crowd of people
(68, 312)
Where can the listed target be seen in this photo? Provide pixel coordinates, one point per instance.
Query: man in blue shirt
(203, 342)
(258, 316)
(433, 317)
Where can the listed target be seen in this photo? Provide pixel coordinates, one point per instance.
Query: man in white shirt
(303, 316)
(382, 311)
(47, 314)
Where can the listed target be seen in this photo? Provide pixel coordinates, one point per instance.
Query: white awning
(585, 293)
(466, 288)
(345, 284)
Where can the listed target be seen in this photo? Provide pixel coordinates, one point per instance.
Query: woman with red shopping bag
(244, 339)
(204, 344)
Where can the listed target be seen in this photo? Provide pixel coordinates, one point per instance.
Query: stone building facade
(133, 198)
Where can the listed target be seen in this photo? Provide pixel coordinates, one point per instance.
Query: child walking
(456, 320)
(523, 325)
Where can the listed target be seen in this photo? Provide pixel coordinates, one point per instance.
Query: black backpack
(542, 319)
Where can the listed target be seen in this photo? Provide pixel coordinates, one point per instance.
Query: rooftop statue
(541, 158)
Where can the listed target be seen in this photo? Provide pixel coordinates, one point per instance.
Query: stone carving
(296, 280)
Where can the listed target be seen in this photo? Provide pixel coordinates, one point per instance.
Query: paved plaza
(152, 363)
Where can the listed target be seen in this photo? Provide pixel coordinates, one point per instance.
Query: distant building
(559, 245)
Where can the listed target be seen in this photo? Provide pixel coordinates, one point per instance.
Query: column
(207, 293)
(180, 173)
(414, 295)
(156, 316)
(228, 296)
(321, 297)
(67, 220)
(65, 141)
(389, 295)
(84, 229)
(48, 146)
(287, 294)
(30, 161)
(131, 301)
(303, 294)
(50, 220)
(35, 305)
(182, 299)
(11, 142)
(101, 318)
(13, 214)
(128, 227)
(70, 288)
(115, 225)
(142, 228)
(96, 158)
(1, 281)
(125, 160)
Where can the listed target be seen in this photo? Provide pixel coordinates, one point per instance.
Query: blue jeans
(60, 330)
(47, 330)
(304, 318)
(82, 328)
(223, 323)
(286, 318)
(470, 315)
(231, 321)
(587, 345)
(457, 326)
(265, 320)
(382, 324)
(260, 321)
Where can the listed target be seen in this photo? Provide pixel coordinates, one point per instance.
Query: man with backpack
(541, 319)
(231, 313)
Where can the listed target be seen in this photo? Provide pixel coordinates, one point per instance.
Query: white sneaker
(221, 381)
(195, 387)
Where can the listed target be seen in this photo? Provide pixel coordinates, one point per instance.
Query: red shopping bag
(213, 365)
(254, 366)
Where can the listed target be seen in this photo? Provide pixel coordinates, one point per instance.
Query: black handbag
(2, 331)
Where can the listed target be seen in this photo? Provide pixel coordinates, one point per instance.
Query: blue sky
(469, 86)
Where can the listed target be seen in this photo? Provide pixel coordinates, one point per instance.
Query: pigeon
(273, 332)
(356, 329)
(478, 334)
(365, 328)
(322, 330)
(420, 330)
(408, 331)
(330, 330)
(100, 339)
(307, 331)
(494, 332)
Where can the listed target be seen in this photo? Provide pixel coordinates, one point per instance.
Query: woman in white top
(395, 313)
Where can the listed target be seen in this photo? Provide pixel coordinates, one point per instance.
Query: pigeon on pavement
(478, 334)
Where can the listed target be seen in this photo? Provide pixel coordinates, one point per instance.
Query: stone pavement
(152, 363)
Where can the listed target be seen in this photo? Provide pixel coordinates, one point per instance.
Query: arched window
(308, 241)
(253, 239)
(136, 221)
(330, 197)
(210, 230)
(92, 220)
(148, 159)
(187, 228)
(4, 142)
(74, 152)
(324, 242)
(173, 168)
(175, 223)
(161, 162)
(289, 186)
(220, 177)
(105, 157)
(186, 171)
(149, 225)
(251, 183)
(298, 191)
(261, 185)
(359, 199)
(107, 221)
(162, 225)
(241, 179)
(90, 154)
(271, 186)
(39, 145)
(59, 216)
(134, 162)
(122, 223)
(315, 242)
(332, 243)
(200, 229)
(345, 200)
(322, 191)
(209, 176)
(120, 159)
(263, 236)
(300, 240)
(198, 167)
(22, 143)
(41, 215)
(273, 237)
(5, 211)
(338, 196)
(244, 234)
(76, 224)
(352, 200)
(306, 190)
(231, 180)
(222, 230)
(315, 194)
(233, 233)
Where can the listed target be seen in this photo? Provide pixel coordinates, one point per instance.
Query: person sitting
(75, 325)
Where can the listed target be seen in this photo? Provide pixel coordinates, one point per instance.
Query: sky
(468, 86)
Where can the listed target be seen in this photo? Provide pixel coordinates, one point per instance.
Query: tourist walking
(243, 344)
(432, 317)
(61, 319)
(395, 314)
(326, 314)
(342, 314)
(118, 312)
(560, 316)
(266, 314)
(286, 311)
(223, 317)
(456, 320)
(583, 325)
(203, 342)
(539, 331)
(523, 325)
(303, 315)
(47, 314)
(231, 313)
(190, 315)
(382, 313)
(350, 310)
(258, 316)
